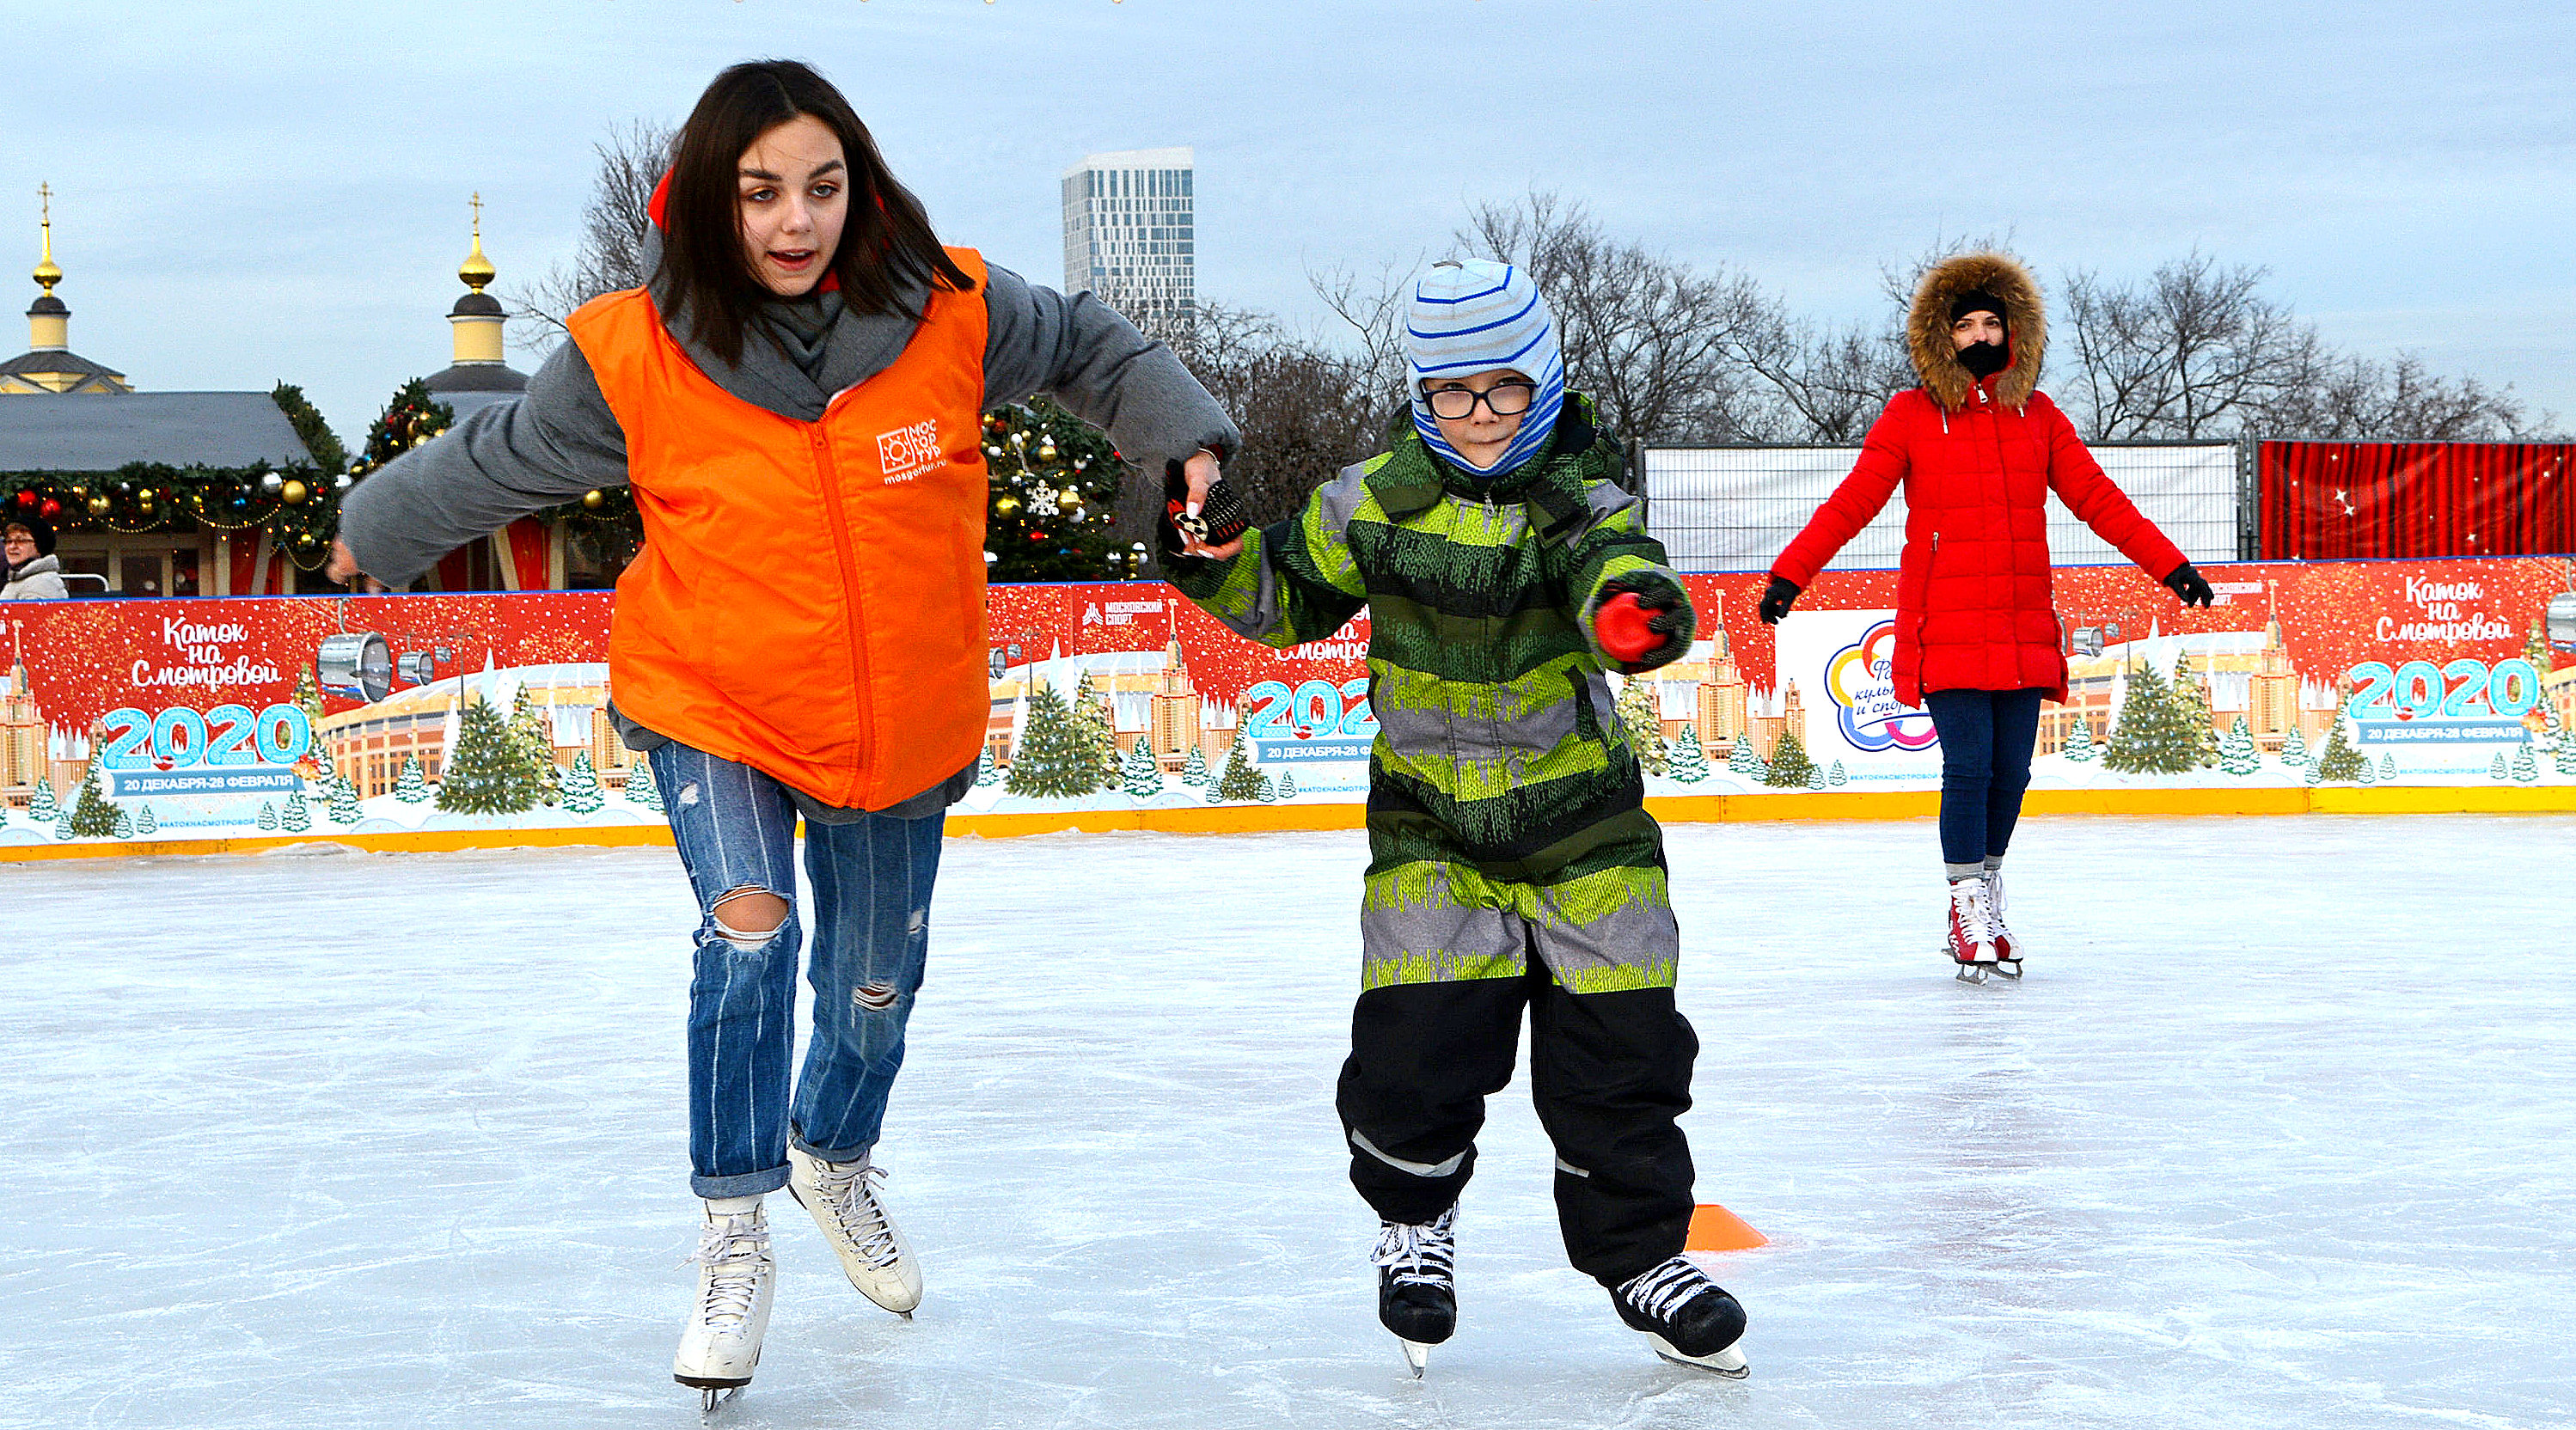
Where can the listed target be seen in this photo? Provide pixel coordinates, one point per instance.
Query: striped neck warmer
(1475, 317)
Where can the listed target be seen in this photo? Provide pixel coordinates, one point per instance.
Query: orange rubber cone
(1714, 1228)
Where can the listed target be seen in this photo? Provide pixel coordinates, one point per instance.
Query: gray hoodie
(559, 439)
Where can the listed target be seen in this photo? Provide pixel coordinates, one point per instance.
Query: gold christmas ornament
(294, 493)
(593, 499)
(1007, 505)
(98, 506)
(1046, 451)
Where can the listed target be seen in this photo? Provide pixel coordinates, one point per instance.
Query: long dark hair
(886, 246)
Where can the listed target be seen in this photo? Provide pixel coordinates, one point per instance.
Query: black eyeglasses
(1503, 399)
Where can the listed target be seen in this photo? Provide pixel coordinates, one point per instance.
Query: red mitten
(1620, 626)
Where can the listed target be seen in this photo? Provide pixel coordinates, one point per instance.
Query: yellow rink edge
(1267, 818)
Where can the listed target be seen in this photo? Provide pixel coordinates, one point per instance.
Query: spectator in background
(34, 575)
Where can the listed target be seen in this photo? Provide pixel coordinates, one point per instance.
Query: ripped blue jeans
(736, 830)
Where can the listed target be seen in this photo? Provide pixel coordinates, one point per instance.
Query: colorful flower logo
(1861, 681)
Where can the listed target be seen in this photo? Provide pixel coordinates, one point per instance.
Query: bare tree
(2195, 351)
(1828, 384)
(1372, 305)
(1305, 411)
(2354, 399)
(1648, 337)
(632, 160)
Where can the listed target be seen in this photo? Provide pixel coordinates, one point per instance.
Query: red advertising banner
(208, 716)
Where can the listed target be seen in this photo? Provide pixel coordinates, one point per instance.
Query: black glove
(2191, 586)
(1673, 619)
(1776, 598)
(1221, 517)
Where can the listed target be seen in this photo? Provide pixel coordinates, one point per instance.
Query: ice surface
(2276, 1134)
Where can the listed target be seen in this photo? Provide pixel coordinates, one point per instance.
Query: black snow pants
(1610, 1073)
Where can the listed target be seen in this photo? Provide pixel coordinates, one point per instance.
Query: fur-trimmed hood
(1927, 328)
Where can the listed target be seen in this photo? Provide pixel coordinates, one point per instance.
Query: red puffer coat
(1977, 460)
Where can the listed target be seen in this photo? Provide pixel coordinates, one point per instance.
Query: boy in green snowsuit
(1512, 861)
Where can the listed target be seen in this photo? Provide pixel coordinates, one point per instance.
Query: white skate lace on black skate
(1418, 1257)
(1666, 1304)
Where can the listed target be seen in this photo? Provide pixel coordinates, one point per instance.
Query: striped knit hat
(1474, 317)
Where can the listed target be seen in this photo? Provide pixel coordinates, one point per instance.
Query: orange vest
(810, 596)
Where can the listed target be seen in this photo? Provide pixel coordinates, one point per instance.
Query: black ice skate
(1690, 1319)
(1417, 1289)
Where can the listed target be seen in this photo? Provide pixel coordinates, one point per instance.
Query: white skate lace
(1667, 1288)
(856, 1211)
(1995, 910)
(1975, 915)
(1421, 1254)
(732, 1249)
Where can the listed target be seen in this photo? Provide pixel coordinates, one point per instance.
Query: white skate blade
(1416, 1355)
(1728, 1362)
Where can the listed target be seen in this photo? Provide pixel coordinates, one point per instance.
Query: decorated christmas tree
(411, 787)
(2294, 748)
(411, 417)
(1056, 759)
(2238, 754)
(641, 791)
(488, 772)
(2526, 770)
(2079, 742)
(93, 816)
(1240, 780)
(1052, 494)
(41, 808)
(2191, 703)
(308, 698)
(532, 734)
(1639, 713)
(1687, 763)
(2340, 760)
(345, 808)
(1790, 767)
(1837, 776)
(297, 816)
(1091, 716)
(267, 816)
(2153, 735)
(1194, 772)
(1141, 775)
(2536, 648)
(581, 787)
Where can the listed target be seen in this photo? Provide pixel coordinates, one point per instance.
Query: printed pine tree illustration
(2238, 754)
(2079, 742)
(1687, 763)
(641, 791)
(411, 786)
(1240, 780)
(2496, 768)
(345, 808)
(1056, 758)
(1091, 717)
(267, 816)
(92, 816)
(1194, 771)
(297, 816)
(2294, 748)
(308, 698)
(532, 735)
(41, 808)
(2341, 761)
(2368, 774)
(1639, 713)
(489, 771)
(1743, 761)
(146, 824)
(2526, 770)
(2191, 702)
(1141, 775)
(581, 787)
(987, 774)
(1287, 784)
(1790, 767)
(2387, 768)
(323, 769)
(1837, 777)
(124, 826)
(1815, 777)
(2152, 736)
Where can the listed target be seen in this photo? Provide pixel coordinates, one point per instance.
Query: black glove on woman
(2191, 586)
(1776, 598)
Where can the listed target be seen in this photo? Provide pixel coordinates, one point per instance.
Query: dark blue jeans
(1986, 740)
(736, 830)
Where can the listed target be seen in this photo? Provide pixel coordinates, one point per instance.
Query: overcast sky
(249, 193)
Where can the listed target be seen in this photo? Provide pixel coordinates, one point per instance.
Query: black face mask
(1983, 360)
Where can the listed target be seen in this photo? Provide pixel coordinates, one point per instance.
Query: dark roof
(78, 433)
(477, 377)
(47, 303)
(54, 360)
(476, 305)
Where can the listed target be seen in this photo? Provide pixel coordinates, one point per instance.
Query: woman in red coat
(1978, 449)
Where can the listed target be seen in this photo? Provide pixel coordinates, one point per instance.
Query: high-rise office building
(1129, 233)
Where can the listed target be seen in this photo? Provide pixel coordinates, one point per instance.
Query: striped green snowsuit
(1506, 824)
(1502, 789)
